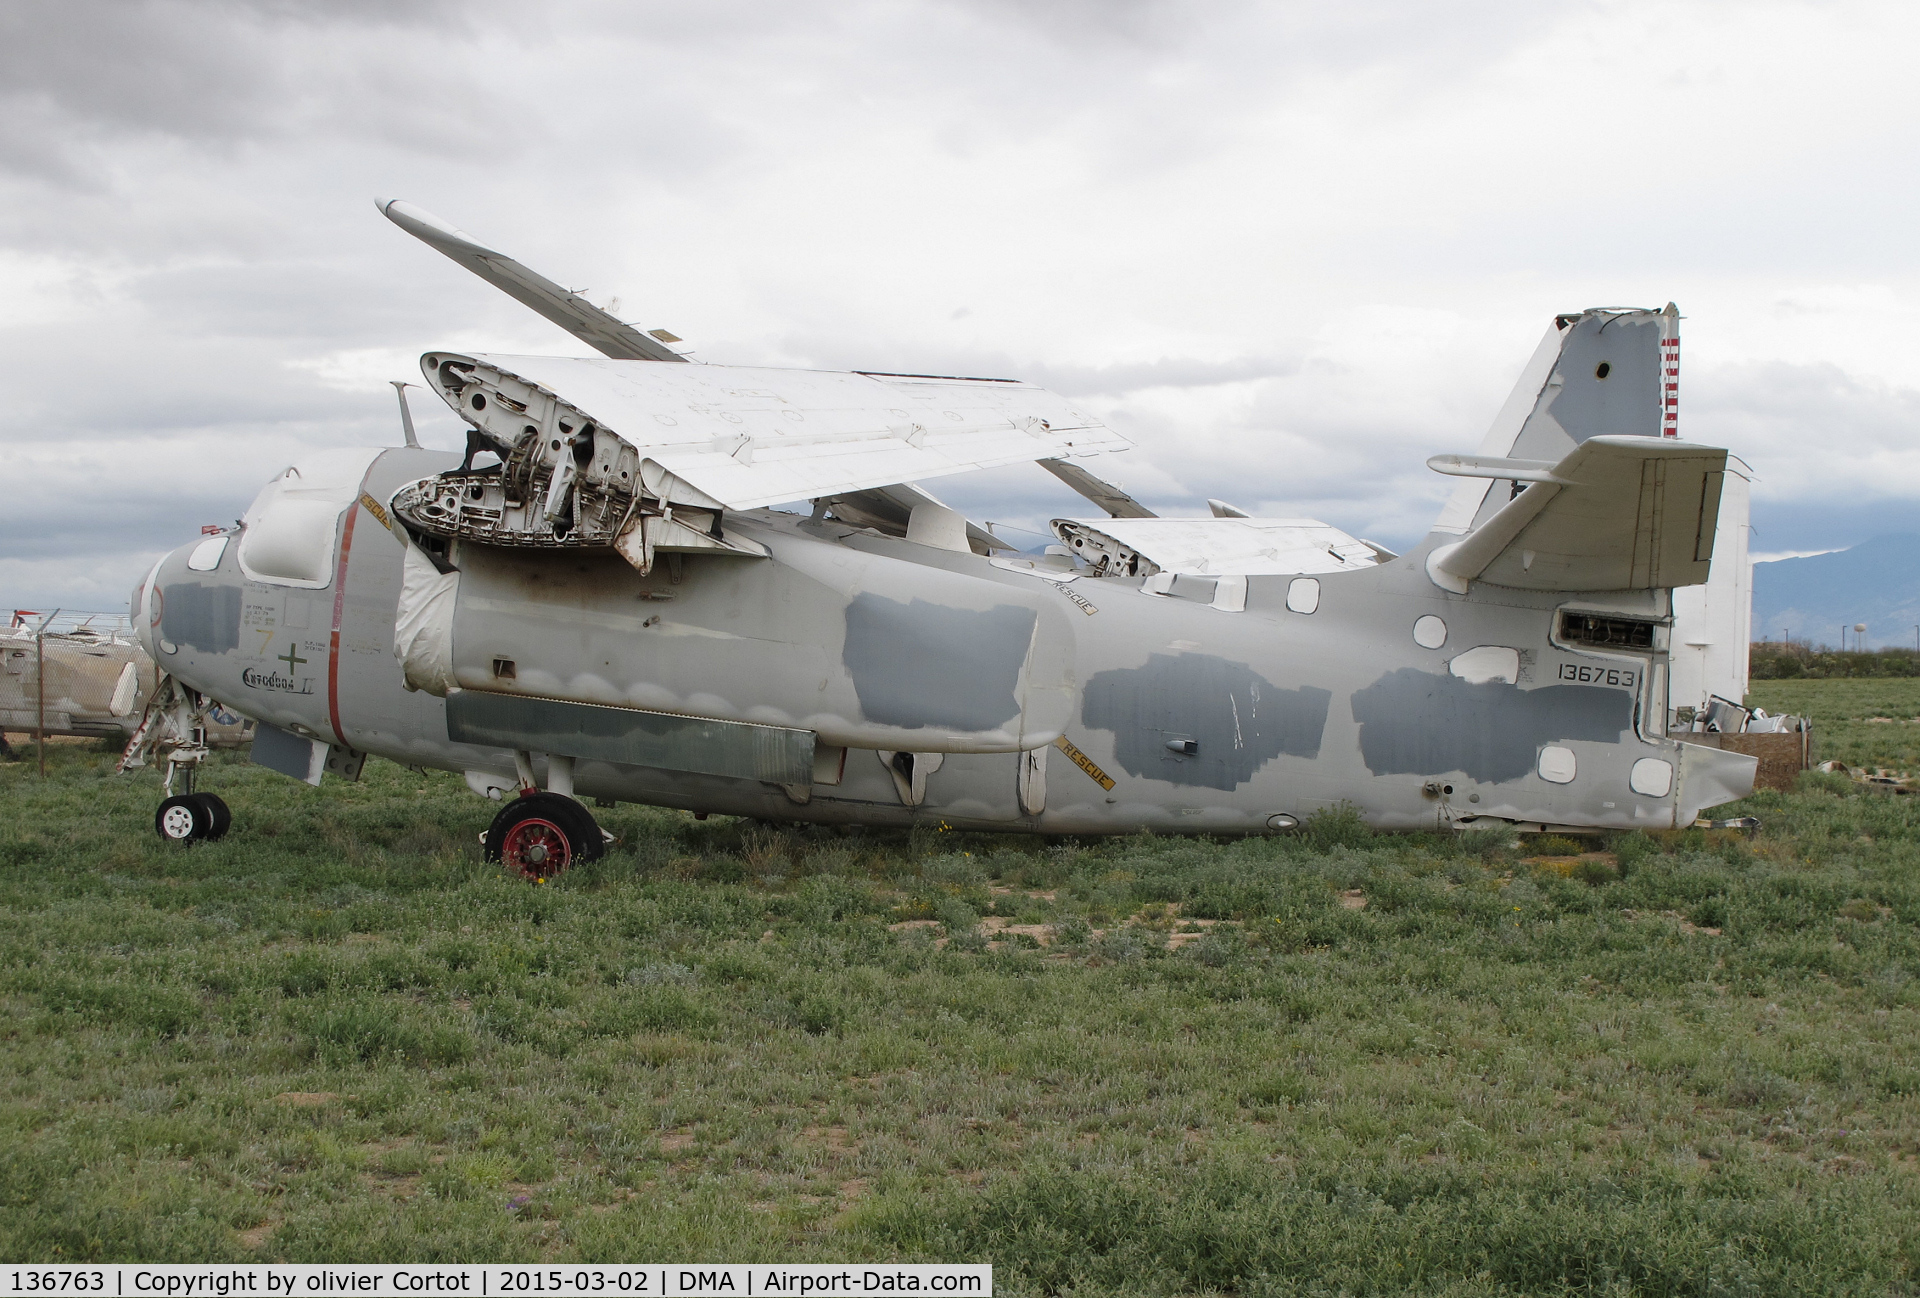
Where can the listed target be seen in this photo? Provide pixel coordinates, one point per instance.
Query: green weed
(1335, 1061)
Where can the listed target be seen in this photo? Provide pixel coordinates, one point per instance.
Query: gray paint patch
(1418, 723)
(205, 617)
(920, 664)
(1240, 720)
(630, 737)
(1627, 400)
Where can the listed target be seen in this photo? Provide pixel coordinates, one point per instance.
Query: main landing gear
(539, 834)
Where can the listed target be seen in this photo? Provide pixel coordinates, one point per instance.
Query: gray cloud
(185, 66)
(1293, 250)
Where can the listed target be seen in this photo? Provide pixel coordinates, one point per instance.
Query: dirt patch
(253, 1239)
(1353, 899)
(676, 1142)
(834, 1138)
(1000, 928)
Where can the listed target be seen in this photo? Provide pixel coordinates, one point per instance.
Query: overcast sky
(1291, 249)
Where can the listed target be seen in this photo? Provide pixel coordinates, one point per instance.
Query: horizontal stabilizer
(1618, 513)
(579, 317)
(1492, 466)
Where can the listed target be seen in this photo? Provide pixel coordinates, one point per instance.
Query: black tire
(183, 818)
(219, 819)
(539, 834)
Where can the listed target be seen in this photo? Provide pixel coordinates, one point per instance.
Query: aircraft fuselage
(1090, 705)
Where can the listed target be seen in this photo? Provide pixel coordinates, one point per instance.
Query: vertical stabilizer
(1606, 371)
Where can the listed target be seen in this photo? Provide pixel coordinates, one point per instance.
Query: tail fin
(1603, 372)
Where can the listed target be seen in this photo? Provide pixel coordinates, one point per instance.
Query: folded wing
(579, 317)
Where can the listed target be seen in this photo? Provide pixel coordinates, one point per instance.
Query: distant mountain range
(1877, 582)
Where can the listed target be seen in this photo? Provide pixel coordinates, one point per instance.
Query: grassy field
(1332, 1063)
(1869, 723)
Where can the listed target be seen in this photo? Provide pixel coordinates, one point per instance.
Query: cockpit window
(288, 535)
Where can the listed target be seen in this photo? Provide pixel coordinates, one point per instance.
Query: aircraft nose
(202, 558)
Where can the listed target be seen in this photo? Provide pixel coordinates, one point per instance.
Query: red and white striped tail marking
(1670, 387)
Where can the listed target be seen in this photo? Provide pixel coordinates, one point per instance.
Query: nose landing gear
(174, 730)
(539, 834)
(191, 817)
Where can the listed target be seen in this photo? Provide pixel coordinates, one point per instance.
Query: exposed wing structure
(744, 437)
(579, 317)
(594, 449)
(1214, 547)
(608, 446)
(1618, 513)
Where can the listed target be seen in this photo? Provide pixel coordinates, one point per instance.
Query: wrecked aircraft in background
(599, 601)
(96, 677)
(98, 680)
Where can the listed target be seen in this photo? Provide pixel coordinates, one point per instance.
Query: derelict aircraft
(596, 602)
(65, 675)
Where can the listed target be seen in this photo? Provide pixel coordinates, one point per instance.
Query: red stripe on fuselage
(339, 606)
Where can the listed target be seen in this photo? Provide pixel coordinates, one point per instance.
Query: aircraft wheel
(541, 834)
(184, 818)
(219, 819)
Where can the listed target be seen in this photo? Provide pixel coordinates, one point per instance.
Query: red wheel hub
(536, 848)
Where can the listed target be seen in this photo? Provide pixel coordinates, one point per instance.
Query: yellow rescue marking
(375, 508)
(1079, 602)
(1084, 762)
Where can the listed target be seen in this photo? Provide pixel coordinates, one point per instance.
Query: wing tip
(424, 225)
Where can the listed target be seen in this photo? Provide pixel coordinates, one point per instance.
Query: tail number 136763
(1590, 675)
